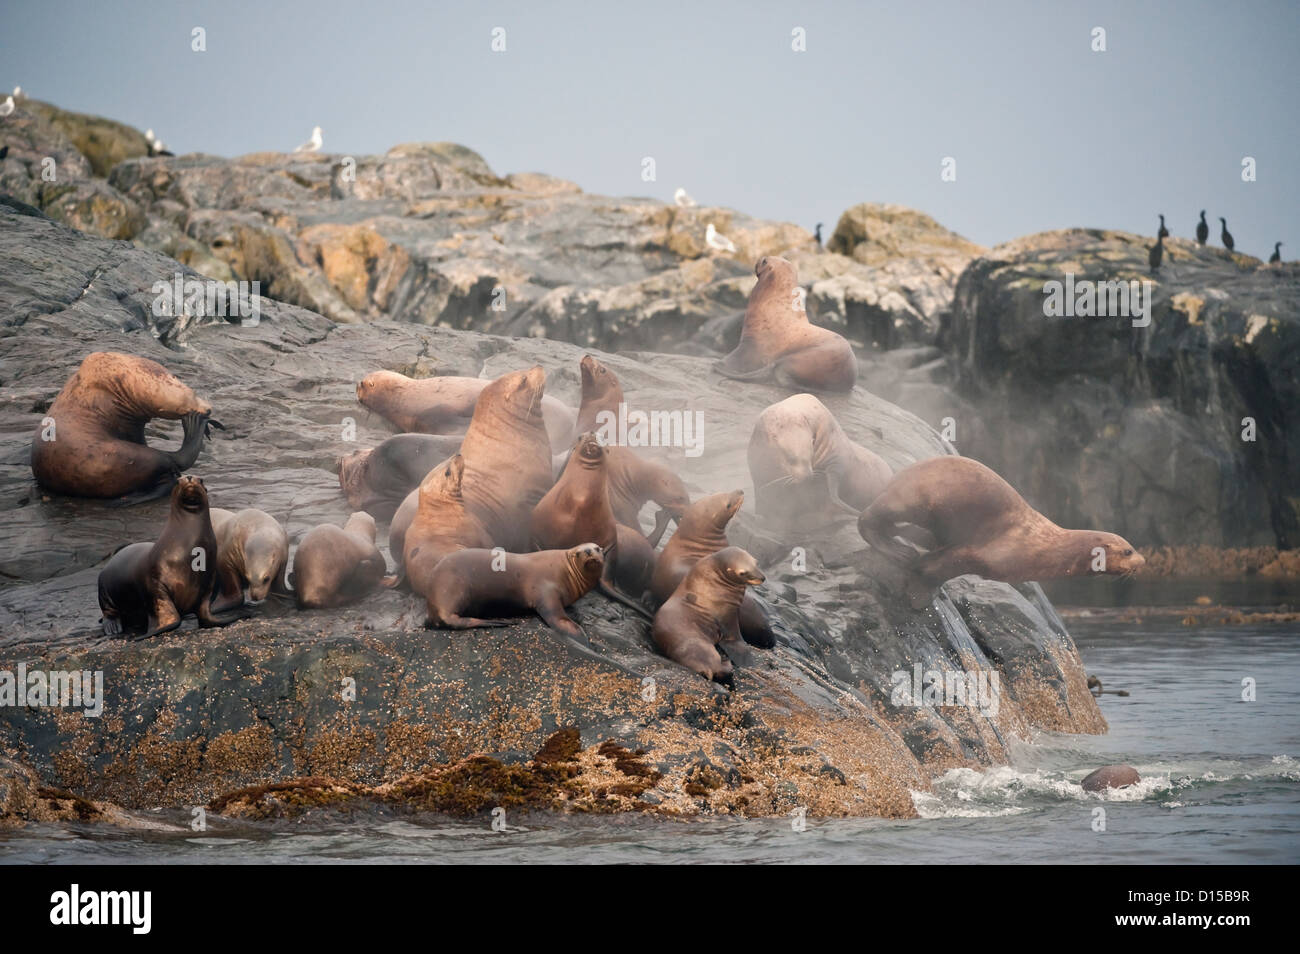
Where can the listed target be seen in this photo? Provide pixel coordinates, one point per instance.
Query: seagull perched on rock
(682, 199)
(18, 93)
(715, 240)
(314, 143)
(7, 106)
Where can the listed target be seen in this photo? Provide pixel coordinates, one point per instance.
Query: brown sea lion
(701, 531)
(777, 340)
(577, 510)
(377, 480)
(1111, 776)
(634, 480)
(397, 529)
(704, 613)
(975, 522)
(335, 566)
(636, 561)
(441, 525)
(445, 404)
(507, 456)
(806, 470)
(252, 550)
(493, 581)
(148, 588)
(91, 442)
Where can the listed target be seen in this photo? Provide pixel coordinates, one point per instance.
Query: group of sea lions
(503, 500)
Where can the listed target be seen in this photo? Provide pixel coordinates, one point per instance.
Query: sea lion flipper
(661, 524)
(160, 489)
(195, 426)
(619, 597)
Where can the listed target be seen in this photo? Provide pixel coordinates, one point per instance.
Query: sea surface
(1221, 783)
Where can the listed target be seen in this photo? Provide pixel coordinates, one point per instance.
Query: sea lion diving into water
(777, 341)
(91, 441)
(805, 468)
(975, 522)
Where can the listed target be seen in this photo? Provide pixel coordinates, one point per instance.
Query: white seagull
(7, 106)
(18, 92)
(682, 199)
(313, 144)
(148, 136)
(716, 241)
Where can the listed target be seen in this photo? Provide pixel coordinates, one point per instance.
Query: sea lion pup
(252, 550)
(445, 405)
(148, 588)
(777, 340)
(704, 613)
(633, 480)
(488, 581)
(441, 525)
(507, 456)
(378, 479)
(95, 446)
(977, 523)
(795, 445)
(1111, 776)
(335, 566)
(577, 510)
(702, 530)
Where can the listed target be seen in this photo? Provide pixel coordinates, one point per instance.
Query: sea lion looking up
(701, 531)
(777, 340)
(804, 467)
(633, 480)
(441, 525)
(703, 614)
(335, 566)
(252, 550)
(488, 581)
(148, 588)
(445, 405)
(507, 456)
(377, 480)
(975, 522)
(91, 443)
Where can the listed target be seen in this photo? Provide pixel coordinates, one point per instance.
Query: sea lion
(336, 566)
(507, 456)
(441, 525)
(702, 530)
(975, 522)
(445, 404)
(577, 510)
(633, 480)
(252, 550)
(148, 588)
(1111, 776)
(95, 446)
(804, 467)
(777, 340)
(703, 614)
(484, 581)
(378, 479)
(397, 529)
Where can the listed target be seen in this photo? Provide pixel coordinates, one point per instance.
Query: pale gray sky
(1046, 133)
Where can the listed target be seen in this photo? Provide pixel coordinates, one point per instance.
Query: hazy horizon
(1046, 133)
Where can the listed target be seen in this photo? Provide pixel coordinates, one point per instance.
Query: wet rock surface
(197, 714)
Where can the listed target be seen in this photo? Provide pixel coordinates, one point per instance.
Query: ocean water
(1221, 783)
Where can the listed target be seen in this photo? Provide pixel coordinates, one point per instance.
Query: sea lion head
(265, 555)
(775, 269)
(352, 469)
(737, 567)
(373, 389)
(598, 382)
(587, 560)
(712, 513)
(518, 393)
(1122, 558)
(139, 386)
(589, 449)
(446, 479)
(190, 495)
(362, 523)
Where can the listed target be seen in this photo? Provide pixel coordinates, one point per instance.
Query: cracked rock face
(196, 715)
(1106, 424)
